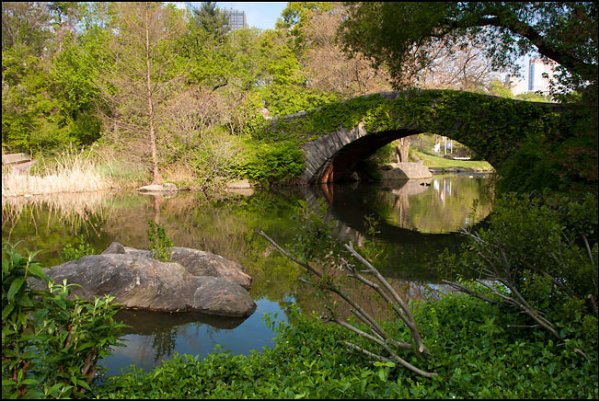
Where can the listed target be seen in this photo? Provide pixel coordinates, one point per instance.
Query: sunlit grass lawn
(437, 162)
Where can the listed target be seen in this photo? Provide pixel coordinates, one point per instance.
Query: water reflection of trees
(76, 211)
(163, 344)
(313, 300)
(161, 330)
(442, 205)
(450, 204)
(226, 227)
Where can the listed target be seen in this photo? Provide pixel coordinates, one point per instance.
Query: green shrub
(51, 342)
(471, 349)
(160, 245)
(278, 162)
(544, 249)
(77, 250)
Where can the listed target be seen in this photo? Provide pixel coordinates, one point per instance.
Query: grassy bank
(443, 164)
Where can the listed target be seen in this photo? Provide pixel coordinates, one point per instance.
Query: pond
(400, 226)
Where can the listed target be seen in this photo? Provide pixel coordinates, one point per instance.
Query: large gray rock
(200, 263)
(137, 280)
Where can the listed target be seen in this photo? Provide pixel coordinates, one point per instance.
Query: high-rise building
(536, 79)
(539, 74)
(237, 19)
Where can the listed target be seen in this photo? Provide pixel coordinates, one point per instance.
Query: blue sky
(261, 15)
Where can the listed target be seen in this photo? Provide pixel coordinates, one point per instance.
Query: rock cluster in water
(192, 281)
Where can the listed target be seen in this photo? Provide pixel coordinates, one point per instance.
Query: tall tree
(211, 19)
(398, 34)
(327, 67)
(144, 73)
(25, 23)
(67, 15)
(295, 17)
(26, 35)
(206, 45)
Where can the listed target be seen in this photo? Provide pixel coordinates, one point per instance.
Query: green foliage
(207, 50)
(546, 249)
(77, 250)
(50, 104)
(160, 244)
(388, 33)
(530, 169)
(59, 86)
(209, 18)
(26, 103)
(285, 99)
(25, 24)
(51, 342)
(532, 97)
(277, 162)
(475, 356)
(296, 16)
(498, 88)
(283, 81)
(314, 239)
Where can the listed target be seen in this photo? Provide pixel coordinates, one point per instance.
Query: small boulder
(158, 188)
(115, 248)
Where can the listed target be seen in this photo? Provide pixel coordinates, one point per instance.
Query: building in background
(539, 74)
(536, 77)
(237, 19)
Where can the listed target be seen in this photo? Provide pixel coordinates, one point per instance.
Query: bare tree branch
(378, 335)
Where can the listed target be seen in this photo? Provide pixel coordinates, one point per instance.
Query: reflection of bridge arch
(417, 248)
(349, 213)
(493, 127)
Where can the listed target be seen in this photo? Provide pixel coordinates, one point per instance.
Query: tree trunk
(157, 179)
(402, 150)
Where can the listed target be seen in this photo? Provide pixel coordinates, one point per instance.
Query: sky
(261, 15)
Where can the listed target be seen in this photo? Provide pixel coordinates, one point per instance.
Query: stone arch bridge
(336, 136)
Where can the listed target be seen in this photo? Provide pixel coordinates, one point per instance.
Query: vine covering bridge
(335, 137)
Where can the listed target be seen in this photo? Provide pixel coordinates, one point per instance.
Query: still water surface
(400, 226)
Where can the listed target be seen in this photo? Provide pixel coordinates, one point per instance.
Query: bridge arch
(342, 160)
(336, 136)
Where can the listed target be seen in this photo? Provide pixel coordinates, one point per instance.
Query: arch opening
(346, 165)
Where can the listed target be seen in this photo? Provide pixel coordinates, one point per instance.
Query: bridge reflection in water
(438, 205)
(411, 222)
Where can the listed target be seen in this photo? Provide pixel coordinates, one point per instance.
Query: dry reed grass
(70, 172)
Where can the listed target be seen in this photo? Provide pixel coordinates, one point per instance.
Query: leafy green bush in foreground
(472, 349)
(51, 343)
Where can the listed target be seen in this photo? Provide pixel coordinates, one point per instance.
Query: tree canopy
(397, 34)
